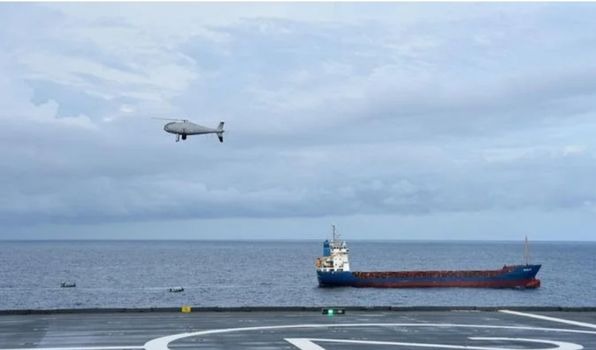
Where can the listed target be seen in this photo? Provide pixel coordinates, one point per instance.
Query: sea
(138, 274)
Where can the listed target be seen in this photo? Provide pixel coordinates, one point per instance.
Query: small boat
(333, 270)
(176, 290)
(68, 285)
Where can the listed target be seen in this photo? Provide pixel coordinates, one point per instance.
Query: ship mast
(333, 232)
(526, 252)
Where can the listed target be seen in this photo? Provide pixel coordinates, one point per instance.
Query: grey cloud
(187, 195)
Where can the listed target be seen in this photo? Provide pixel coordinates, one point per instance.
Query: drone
(183, 128)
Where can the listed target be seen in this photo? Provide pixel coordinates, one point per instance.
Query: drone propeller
(173, 119)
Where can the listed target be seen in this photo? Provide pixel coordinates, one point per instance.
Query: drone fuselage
(188, 128)
(184, 128)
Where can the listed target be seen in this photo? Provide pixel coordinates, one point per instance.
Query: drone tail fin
(220, 131)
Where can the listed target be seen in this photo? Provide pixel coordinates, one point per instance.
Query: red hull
(532, 283)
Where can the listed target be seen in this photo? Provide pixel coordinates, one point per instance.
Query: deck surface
(306, 330)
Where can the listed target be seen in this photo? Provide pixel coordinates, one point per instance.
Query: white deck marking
(548, 318)
(308, 344)
(162, 343)
(85, 348)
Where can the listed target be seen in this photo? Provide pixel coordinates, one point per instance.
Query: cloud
(427, 110)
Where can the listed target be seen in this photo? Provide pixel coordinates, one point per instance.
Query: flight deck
(306, 330)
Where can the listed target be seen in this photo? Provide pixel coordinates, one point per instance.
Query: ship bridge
(335, 255)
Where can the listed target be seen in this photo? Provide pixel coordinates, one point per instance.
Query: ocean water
(251, 273)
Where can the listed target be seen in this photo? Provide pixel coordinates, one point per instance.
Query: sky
(391, 120)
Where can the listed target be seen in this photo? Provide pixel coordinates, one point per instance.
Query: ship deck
(306, 330)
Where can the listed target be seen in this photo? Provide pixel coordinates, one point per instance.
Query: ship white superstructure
(335, 255)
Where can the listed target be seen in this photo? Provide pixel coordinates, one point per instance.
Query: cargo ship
(333, 270)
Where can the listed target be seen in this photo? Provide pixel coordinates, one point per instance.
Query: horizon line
(285, 240)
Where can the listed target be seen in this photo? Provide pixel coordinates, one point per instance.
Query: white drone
(182, 127)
